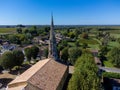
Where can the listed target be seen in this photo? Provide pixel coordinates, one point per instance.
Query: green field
(88, 41)
(114, 31)
(7, 30)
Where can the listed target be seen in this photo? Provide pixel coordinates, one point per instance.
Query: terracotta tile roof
(49, 76)
(28, 73)
(45, 74)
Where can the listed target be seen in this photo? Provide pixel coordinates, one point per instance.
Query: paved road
(114, 70)
(107, 69)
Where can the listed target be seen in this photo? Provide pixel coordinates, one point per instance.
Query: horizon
(64, 25)
(65, 12)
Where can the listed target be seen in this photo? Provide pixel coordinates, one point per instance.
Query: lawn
(107, 63)
(91, 46)
(71, 44)
(7, 30)
(113, 44)
(88, 41)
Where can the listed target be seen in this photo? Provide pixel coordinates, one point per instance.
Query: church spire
(52, 42)
(52, 22)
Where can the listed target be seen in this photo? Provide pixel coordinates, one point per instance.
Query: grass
(114, 31)
(88, 41)
(113, 44)
(96, 46)
(7, 30)
(116, 35)
(26, 62)
(71, 44)
(107, 63)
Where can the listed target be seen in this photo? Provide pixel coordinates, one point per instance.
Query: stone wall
(61, 84)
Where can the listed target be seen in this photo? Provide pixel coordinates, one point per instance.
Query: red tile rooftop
(49, 76)
(45, 74)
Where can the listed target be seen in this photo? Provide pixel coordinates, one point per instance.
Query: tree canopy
(85, 76)
(64, 55)
(28, 53)
(7, 60)
(114, 56)
(18, 57)
(34, 51)
(74, 53)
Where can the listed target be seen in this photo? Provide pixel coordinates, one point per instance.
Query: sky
(65, 12)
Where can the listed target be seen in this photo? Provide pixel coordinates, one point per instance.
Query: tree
(7, 60)
(103, 52)
(47, 29)
(77, 32)
(33, 31)
(65, 33)
(64, 43)
(21, 37)
(114, 56)
(34, 27)
(20, 26)
(64, 55)
(118, 40)
(28, 36)
(85, 76)
(77, 43)
(74, 53)
(26, 31)
(12, 38)
(71, 34)
(34, 51)
(85, 36)
(28, 53)
(18, 57)
(85, 45)
(19, 30)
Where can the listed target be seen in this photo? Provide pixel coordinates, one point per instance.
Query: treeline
(25, 35)
(105, 29)
(85, 76)
(9, 59)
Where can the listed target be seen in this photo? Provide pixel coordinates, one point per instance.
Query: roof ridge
(29, 70)
(40, 68)
(48, 72)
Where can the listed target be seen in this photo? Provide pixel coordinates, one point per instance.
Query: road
(107, 69)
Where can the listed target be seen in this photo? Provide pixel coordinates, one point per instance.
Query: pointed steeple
(52, 42)
(52, 22)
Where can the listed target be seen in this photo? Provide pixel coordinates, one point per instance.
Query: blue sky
(69, 12)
